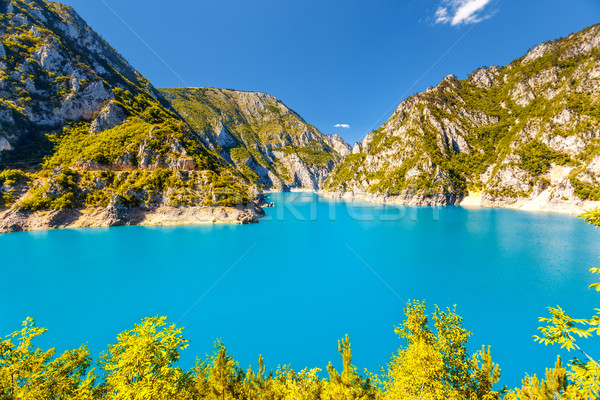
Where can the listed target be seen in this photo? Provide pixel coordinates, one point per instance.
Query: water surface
(290, 287)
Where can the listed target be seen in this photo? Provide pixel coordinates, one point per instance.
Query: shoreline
(541, 203)
(22, 221)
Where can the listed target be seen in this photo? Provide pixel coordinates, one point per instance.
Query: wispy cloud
(345, 126)
(456, 12)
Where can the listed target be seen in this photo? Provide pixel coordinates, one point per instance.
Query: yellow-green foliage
(19, 44)
(29, 373)
(436, 365)
(346, 171)
(9, 180)
(65, 188)
(56, 193)
(76, 143)
(311, 156)
(142, 364)
(431, 365)
(240, 155)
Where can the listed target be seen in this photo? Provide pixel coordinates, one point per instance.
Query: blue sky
(335, 62)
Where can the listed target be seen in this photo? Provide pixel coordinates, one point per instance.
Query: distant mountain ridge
(258, 134)
(525, 135)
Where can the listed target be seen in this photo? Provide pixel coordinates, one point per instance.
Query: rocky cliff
(54, 71)
(80, 128)
(524, 133)
(255, 132)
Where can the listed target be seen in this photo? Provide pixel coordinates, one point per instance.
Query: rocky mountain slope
(258, 134)
(55, 71)
(80, 128)
(524, 133)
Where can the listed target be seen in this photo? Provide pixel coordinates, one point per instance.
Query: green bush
(537, 158)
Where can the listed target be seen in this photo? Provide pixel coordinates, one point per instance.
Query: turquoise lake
(313, 270)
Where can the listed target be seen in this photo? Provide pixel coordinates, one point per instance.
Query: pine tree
(221, 372)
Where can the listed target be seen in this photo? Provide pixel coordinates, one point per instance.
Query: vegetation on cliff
(501, 131)
(265, 140)
(80, 127)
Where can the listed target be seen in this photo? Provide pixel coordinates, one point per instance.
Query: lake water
(313, 270)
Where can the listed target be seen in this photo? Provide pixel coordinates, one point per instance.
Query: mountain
(86, 140)
(56, 71)
(525, 135)
(258, 134)
(80, 128)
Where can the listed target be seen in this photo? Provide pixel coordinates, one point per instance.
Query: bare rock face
(224, 138)
(4, 144)
(522, 94)
(83, 105)
(117, 214)
(537, 52)
(513, 178)
(111, 115)
(338, 144)
(183, 164)
(483, 78)
(49, 57)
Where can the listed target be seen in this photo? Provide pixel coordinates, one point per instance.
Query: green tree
(553, 387)
(348, 385)
(436, 365)
(28, 373)
(221, 372)
(142, 364)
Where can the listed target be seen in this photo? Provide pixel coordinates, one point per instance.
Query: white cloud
(456, 12)
(345, 126)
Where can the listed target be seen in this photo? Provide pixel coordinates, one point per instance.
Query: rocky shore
(541, 203)
(17, 221)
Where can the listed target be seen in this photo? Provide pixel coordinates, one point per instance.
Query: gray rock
(224, 137)
(110, 116)
(339, 145)
(4, 144)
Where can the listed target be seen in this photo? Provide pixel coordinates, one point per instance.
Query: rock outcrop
(18, 221)
(94, 134)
